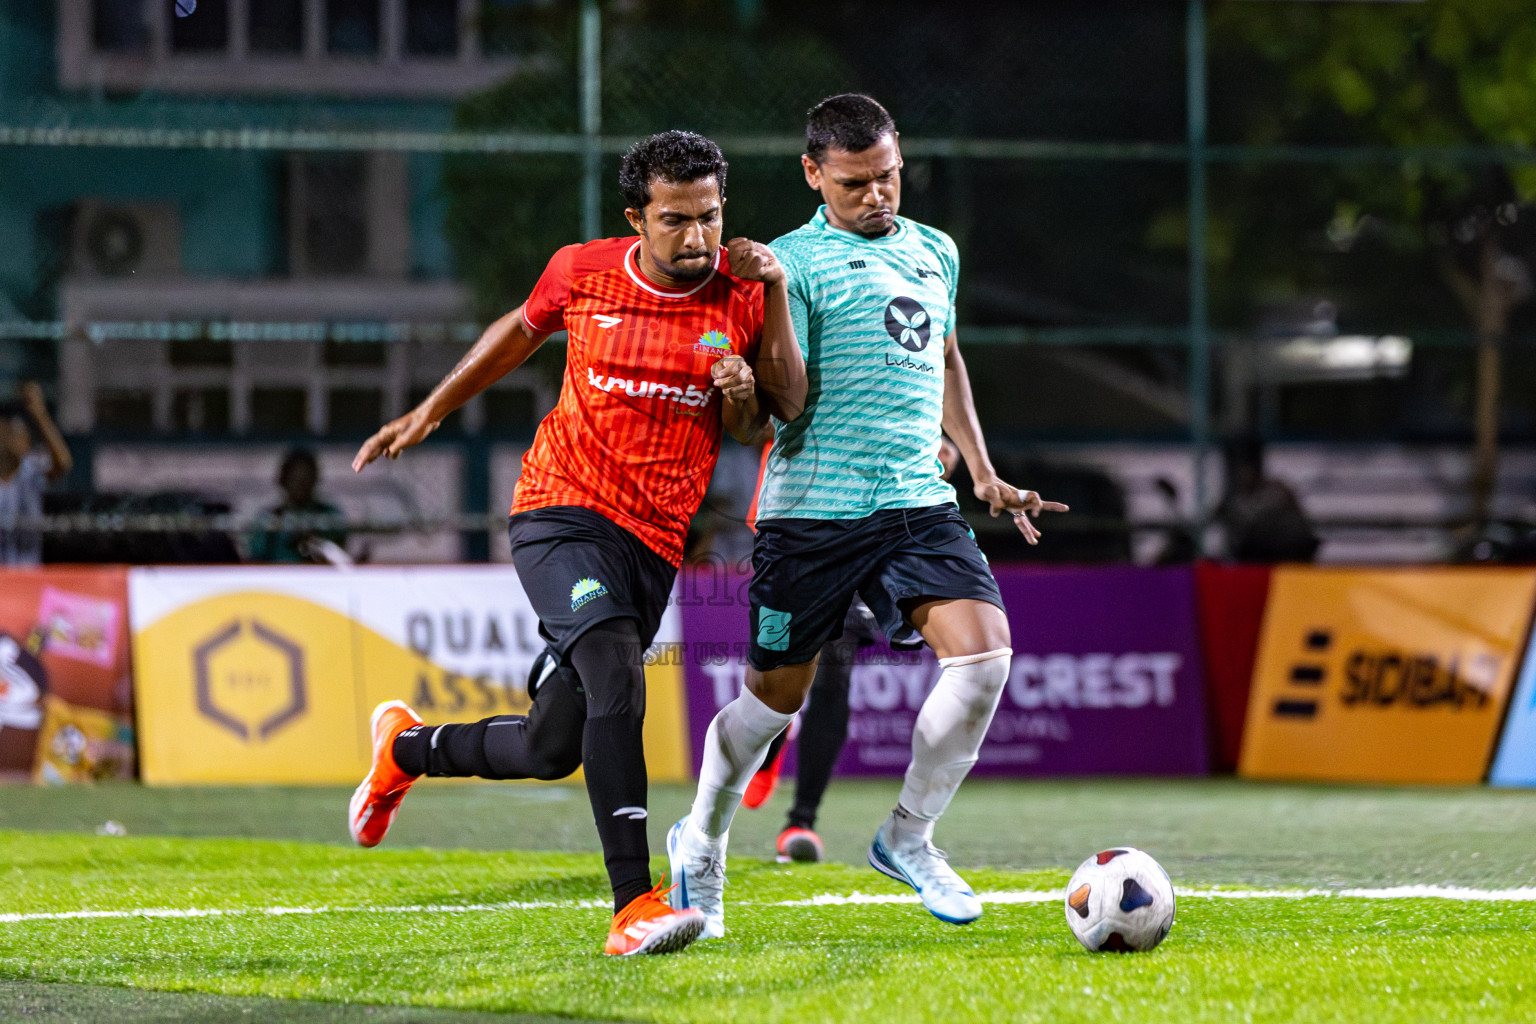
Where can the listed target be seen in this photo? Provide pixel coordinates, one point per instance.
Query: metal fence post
(591, 119)
(1199, 313)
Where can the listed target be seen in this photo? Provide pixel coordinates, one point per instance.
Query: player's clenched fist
(753, 261)
(734, 377)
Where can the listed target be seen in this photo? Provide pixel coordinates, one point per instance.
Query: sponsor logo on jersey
(713, 343)
(604, 320)
(690, 396)
(908, 323)
(586, 590)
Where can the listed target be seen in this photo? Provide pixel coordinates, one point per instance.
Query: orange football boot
(764, 781)
(649, 925)
(377, 800)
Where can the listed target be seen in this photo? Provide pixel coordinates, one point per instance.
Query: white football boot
(918, 863)
(698, 875)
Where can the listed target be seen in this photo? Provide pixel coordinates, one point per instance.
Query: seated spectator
(290, 532)
(24, 471)
(1261, 517)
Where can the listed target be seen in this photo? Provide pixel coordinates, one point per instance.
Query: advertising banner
(1105, 676)
(1515, 762)
(269, 675)
(66, 711)
(1385, 675)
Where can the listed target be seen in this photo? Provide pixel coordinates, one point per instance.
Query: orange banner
(1385, 675)
(66, 712)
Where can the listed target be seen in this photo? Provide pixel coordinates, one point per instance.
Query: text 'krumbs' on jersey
(636, 432)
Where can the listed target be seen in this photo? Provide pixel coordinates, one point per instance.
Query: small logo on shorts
(773, 630)
(585, 590)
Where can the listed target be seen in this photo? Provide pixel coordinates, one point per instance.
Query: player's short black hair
(849, 121)
(675, 157)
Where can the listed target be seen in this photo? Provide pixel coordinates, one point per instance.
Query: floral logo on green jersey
(586, 589)
(713, 343)
(907, 322)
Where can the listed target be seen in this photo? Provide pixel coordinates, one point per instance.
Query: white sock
(947, 738)
(734, 748)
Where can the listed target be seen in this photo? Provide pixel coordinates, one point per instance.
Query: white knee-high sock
(947, 738)
(734, 748)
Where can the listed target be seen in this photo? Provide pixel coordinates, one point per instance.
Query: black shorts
(806, 571)
(580, 569)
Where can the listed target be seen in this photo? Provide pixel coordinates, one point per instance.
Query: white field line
(1400, 892)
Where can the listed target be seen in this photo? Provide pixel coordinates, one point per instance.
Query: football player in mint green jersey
(853, 502)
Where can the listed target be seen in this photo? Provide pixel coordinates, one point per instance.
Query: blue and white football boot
(918, 863)
(698, 875)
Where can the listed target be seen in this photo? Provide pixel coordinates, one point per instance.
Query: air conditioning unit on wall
(123, 239)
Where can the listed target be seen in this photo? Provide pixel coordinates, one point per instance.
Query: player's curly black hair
(849, 121)
(676, 157)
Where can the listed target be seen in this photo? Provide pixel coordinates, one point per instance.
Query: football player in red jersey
(673, 340)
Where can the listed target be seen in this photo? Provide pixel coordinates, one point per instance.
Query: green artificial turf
(410, 925)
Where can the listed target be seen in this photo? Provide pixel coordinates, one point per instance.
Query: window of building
(119, 26)
(277, 26)
(355, 353)
(331, 216)
(126, 410)
(355, 410)
(352, 27)
(432, 28)
(510, 410)
(204, 30)
(279, 410)
(200, 411)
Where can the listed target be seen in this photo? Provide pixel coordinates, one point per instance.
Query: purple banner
(1105, 679)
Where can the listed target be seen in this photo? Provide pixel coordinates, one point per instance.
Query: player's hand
(393, 438)
(754, 261)
(1022, 505)
(734, 377)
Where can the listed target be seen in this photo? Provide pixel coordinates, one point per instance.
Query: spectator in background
(1261, 517)
(24, 471)
(296, 531)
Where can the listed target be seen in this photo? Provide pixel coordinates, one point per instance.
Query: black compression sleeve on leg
(608, 659)
(823, 730)
(543, 744)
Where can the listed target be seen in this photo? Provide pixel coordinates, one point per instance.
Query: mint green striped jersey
(871, 315)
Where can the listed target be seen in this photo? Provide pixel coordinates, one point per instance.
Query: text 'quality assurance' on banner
(1105, 676)
(1385, 675)
(269, 675)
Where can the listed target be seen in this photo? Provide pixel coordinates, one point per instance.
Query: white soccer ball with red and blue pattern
(1120, 901)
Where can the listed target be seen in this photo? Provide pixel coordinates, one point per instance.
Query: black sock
(543, 744)
(410, 749)
(613, 754)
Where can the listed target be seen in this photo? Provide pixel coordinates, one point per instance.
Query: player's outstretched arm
(780, 366)
(58, 450)
(501, 349)
(964, 428)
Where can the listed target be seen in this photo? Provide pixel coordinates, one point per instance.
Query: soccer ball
(1120, 901)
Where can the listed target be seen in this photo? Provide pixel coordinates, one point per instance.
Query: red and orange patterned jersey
(636, 432)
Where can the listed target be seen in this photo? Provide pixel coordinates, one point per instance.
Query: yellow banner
(270, 675)
(1384, 675)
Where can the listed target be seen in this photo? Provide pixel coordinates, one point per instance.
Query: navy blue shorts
(806, 571)
(579, 568)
